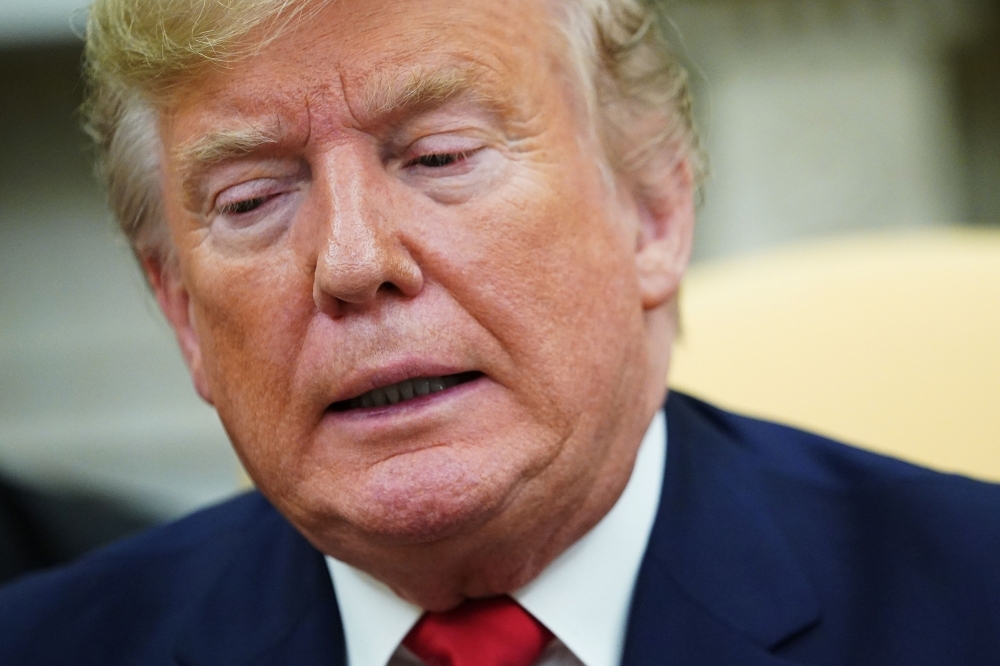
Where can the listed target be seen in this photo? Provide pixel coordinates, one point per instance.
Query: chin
(419, 498)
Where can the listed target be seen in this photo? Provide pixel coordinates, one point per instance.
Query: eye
(438, 160)
(244, 206)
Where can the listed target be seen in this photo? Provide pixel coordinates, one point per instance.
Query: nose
(362, 255)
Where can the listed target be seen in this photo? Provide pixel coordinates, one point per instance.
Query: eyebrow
(224, 143)
(386, 93)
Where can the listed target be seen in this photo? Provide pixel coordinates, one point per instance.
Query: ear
(176, 306)
(666, 227)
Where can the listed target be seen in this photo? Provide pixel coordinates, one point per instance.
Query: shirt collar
(581, 599)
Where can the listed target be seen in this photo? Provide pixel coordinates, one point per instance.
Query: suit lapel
(669, 628)
(718, 584)
(273, 604)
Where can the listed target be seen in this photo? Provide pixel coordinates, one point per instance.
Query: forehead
(362, 56)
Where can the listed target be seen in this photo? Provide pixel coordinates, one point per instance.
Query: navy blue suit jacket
(771, 547)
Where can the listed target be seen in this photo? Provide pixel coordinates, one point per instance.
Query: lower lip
(413, 405)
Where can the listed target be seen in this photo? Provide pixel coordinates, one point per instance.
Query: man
(423, 258)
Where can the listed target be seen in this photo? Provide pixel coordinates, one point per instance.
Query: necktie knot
(480, 632)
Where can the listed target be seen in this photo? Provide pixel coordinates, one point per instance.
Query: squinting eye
(437, 160)
(245, 206)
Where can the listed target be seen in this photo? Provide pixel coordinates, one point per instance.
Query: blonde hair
(139, 51)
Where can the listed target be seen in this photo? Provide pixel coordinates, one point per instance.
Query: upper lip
(363, 380)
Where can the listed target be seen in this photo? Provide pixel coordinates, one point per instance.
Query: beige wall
(825, 116)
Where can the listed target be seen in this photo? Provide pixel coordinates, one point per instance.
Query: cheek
(546, 268)
(251, 317)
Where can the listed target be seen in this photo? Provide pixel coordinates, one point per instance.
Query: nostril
(327, 303)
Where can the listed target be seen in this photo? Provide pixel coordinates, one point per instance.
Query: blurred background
(821, 118)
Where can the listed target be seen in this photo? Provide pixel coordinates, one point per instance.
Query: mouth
(404, 391)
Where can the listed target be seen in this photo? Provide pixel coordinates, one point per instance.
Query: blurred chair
(890, 342)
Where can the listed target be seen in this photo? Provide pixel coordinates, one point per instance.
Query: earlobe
(175, 303)
(666, 227)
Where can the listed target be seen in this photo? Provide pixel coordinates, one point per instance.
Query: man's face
(406, 196)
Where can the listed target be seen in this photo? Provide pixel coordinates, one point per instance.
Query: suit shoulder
(895, 552)
(824, 462)
(840, 493)
(139, 586)
(811, 478)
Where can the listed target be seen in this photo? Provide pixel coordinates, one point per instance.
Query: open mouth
(406, 390)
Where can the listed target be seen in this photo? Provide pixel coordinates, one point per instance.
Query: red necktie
(481, 632)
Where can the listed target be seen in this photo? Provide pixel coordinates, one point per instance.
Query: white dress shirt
(583, 596)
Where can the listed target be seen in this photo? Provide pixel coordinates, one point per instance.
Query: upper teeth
(404, 390)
